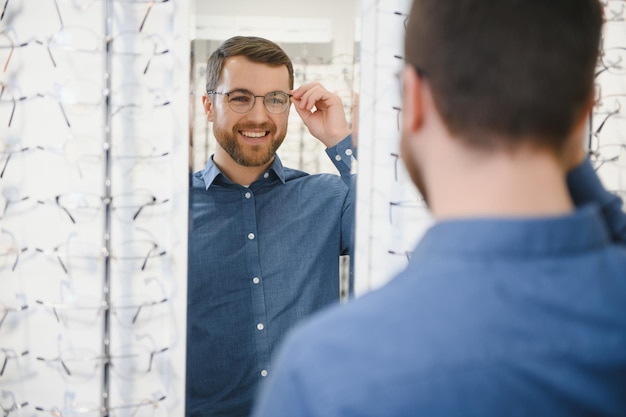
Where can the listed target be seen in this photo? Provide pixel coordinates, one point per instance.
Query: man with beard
(264, 240)
(514, 301)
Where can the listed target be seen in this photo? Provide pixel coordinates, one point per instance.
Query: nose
(258, 113)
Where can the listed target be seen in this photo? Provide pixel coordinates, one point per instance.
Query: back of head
(255, 49)
(514, 70)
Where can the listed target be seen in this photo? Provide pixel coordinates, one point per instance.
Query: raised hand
(322, 112)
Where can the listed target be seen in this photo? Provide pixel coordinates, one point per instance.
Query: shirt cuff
(342, 154)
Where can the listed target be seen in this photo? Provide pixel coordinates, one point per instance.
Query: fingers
(313, 95)
(322, 112)
(302, 111)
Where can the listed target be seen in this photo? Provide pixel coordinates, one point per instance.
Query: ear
(207, 103)
(413, 106)
(584, 117)
(575, 149)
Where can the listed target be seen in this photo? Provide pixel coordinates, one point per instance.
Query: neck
(239, 174)
(524, 183)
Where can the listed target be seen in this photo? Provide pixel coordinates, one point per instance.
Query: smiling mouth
(250, 134)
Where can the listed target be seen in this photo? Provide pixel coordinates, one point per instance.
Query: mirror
(228, 356)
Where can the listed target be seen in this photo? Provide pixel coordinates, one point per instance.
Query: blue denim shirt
(260, 258)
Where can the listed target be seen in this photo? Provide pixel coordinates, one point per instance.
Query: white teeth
(254, 134)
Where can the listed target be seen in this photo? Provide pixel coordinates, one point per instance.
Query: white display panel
(93, 207)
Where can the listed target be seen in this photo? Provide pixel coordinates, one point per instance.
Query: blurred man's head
(506, 72)
(520, 69)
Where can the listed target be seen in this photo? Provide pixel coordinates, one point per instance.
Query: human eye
(240, 97)
(277, 98)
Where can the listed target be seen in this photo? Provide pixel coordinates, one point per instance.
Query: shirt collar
(582, 230)
(211, 171)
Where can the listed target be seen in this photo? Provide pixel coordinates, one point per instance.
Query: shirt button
(263, 372)
(337, 157)
(260, 326)
(248, 195)
(266, 175)
(256, 280)
(349, 152)
(251, 236)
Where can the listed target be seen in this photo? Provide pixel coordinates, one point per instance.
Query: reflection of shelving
(607, 141)
(93, 217)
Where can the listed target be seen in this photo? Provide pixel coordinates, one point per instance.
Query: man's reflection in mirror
(265, 240)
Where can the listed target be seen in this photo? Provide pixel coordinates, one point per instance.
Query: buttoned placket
(256, 280)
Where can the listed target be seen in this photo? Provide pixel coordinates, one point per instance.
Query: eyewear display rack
(391, 215)
(607, 128)
(93, 207)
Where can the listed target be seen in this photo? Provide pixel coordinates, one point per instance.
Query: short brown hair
(520, 69)
(255, 49)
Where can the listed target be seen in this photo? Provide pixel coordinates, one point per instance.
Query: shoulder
(326, 181)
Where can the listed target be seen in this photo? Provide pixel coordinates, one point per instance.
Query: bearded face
(249, 138)
(248, 144)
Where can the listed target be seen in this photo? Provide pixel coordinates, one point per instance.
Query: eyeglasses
(76, 257)
(405, 17)
(8, 199)
(141, 49)
(12, 151)
(613, 10)
(87, 155)
(130, 312)
(9, 254)
(66, 45)
(75, 97)
(6, 354)
(242, 101)
(398, 109)
(405, 253)
(9, 407)
(411, 205)
(4, 312)
(84, 207)
(4, 9)
(134, 409)
(612, 60)
(135, 101)
(611, 153)
(81, 5)
(607, 115)
(129, 362)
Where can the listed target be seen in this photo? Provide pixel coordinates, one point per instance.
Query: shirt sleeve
(585, 187)
(341, 156)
